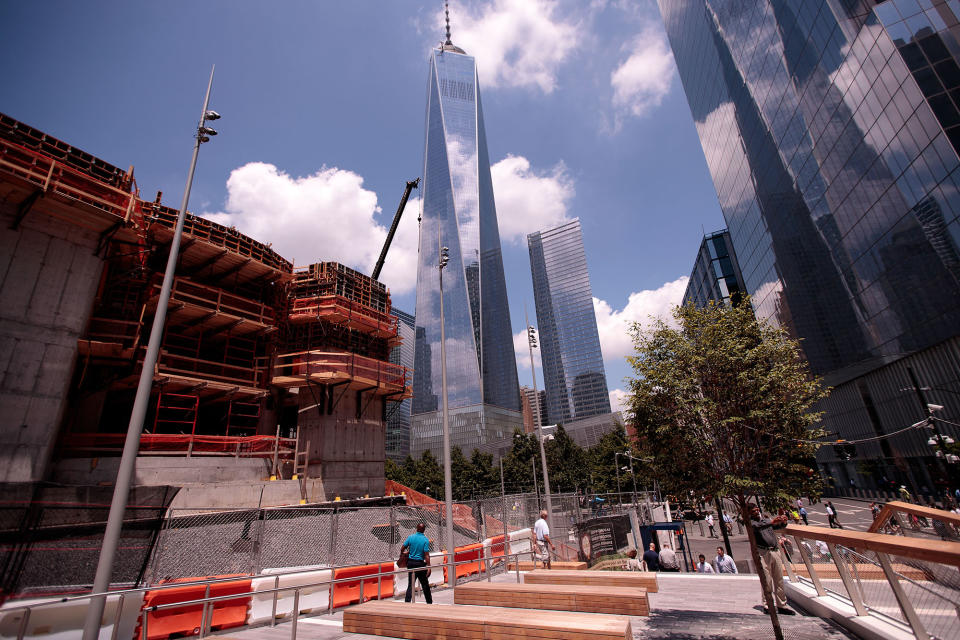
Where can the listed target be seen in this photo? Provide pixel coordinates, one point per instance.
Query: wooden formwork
(333, 278)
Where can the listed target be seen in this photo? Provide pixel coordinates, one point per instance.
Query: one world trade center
(459, 213)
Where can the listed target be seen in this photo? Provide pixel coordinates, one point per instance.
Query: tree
(566, 463)
(460, 475)
(395, 472)
(485, 479)
(428, 474)
(722, 403)
(603, 460)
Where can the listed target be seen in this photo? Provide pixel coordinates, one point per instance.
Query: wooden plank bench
(644, 579)
(421, 621)
(563, 565)
(627, 601)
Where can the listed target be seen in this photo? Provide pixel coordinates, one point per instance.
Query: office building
(534, 408)
(716, 274)
(398, 414)
(574, 378)
(830, 130)
(459, 213)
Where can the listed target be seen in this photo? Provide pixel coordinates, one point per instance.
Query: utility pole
(131, 445)
(943, 460)
(503, 496)
(443, 259)
(531, 343)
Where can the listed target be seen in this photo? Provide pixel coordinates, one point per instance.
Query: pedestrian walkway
(688, 607)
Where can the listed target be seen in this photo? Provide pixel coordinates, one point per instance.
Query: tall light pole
(447, 479)
(531, 343)
(616, 462)
(128, 460)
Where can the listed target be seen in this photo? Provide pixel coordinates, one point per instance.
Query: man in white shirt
(542, 532)
(703, 566)
(668, 560)
(725, 563)
(710, 525)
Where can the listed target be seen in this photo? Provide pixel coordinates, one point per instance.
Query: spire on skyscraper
(448, 43)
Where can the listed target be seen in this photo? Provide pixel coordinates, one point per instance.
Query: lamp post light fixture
(531, 343)
(131, 445)
(443, 260)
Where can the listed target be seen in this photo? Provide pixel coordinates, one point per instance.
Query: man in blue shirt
(419, 547)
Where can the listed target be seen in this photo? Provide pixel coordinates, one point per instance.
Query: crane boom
(411, 185)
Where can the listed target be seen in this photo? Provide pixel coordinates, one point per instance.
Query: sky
(323, 112)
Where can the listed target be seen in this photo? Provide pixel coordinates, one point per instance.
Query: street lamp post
(616, 461)
(531, 343)
(444, 258)
(121, 489)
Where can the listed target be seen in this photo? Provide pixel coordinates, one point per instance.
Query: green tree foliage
(566, 463)
(722, 404)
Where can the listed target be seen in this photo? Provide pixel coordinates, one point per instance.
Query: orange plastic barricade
(345, 593)
(496, 547)
(186, 620)
(461, 554)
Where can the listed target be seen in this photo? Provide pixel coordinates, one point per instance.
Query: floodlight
(211, 115)
(207, 131)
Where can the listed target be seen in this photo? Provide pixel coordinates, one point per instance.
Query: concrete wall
(48, 279)
(345, 452)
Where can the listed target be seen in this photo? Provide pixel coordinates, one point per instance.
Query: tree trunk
(723, 525)
(767, 593)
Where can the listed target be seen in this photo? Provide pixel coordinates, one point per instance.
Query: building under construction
(264, 369)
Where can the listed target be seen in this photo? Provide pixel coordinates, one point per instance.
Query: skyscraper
(830, 129)
(574, 378)
(459, 213)
(716, 274)
(398, 414)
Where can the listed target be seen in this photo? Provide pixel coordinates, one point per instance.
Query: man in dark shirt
(651, 558)
(769, 549)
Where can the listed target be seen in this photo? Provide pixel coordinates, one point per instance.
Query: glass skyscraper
(830, 128)
(398, 413)
(459, 213)
(716, 274)
(574, 378)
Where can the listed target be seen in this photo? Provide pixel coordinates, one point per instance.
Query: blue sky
(323, 123)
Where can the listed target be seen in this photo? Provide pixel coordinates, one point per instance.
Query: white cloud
(529, 201)
(618, 398)
(324, 216)
(644, 78)
(614, 325)
(517, 43)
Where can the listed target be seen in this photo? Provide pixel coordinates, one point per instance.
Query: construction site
(272, 379)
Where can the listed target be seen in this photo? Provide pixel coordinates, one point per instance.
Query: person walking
(725, 563)
(710, 525)
(651, 559)
(542, 531)
(702, 565)
(419, 547)
(803, 514)
(832, 516)
(770, 562)
(728, 523)
(632, 563)
(668, 560)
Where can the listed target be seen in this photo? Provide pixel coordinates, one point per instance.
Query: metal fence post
(276, 592)
(905, 606)
(296, 613)
(333, 538)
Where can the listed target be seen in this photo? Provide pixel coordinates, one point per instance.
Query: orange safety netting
(256, 446)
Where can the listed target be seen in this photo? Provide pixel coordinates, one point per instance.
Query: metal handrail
(919, 585)
(195, 583)
(295, 613)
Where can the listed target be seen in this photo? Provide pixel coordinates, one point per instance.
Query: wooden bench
(421, 621)
(644, 579)
(529, 565)
(864, 571)
(628, 601)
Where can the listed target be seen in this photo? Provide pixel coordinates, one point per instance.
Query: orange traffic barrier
(346, 593)
(496, 547)
(167, 623)
(462, 554)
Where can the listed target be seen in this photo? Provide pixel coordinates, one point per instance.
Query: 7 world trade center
(831, 130)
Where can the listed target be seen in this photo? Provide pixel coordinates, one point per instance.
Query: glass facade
(716, 274)
(830, 131)
(459, 213)
(574, 378)
(398, 413)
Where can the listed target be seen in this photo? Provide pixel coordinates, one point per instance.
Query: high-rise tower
(459, 213)
(831, 130)
(573, 372)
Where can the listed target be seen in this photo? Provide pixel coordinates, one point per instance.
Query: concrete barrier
(311, 598)
(64, 620)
